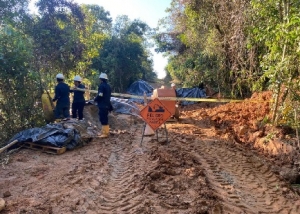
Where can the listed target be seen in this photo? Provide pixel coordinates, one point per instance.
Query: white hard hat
(103, 76)
(60, 76)
(173, 84)
(77, 78)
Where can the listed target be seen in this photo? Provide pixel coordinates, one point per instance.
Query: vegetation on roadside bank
(236, 47)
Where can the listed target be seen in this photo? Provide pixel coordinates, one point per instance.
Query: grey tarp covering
(139, 88)
(124, 106)
(50, 135)
(190, 92)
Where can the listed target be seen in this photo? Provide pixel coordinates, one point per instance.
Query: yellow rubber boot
(104, 131)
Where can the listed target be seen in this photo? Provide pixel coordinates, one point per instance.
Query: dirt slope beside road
(248, 123)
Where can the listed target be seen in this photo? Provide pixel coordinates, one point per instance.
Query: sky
(149, 11)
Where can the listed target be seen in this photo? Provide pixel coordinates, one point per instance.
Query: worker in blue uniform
(78, 98)
(104, 105)
(62, 96)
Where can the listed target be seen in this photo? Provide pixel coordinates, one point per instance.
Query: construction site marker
(155, 114)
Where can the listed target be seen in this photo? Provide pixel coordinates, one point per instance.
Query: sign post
(155, 114)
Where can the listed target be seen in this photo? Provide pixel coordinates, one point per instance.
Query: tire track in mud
(244, 182)
(123, 188)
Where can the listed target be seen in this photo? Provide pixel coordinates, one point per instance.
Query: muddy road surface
(196, 171)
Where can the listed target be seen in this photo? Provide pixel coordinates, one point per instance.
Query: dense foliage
(124, 52)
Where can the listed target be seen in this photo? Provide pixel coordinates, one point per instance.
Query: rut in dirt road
(191, 175)
(243, 181)
(122, 190)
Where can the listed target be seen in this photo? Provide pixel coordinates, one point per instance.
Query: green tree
(19, 88)
(209, 41)
(276, 27)
(124, 55)
(12, 11)
(97, 29)
(56, 33)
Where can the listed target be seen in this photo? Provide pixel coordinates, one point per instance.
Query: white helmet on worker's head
(60, 76)
(77, 78)
(103, 76)
(173, 84)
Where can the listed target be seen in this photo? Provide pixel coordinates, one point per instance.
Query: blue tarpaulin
(190, 93)
(51, 135)
(138, 88)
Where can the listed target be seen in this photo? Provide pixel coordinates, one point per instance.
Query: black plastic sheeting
(190, 93)
(139, 88)
(50, 135)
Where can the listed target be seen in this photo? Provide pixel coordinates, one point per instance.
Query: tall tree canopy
(56, 33)
(207, 42)
(124, 55)
(13, 10)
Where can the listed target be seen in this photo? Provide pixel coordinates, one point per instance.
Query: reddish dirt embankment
(248, 123)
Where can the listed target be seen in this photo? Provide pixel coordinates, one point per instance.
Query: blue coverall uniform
(78, 102)
(62, 93)
(103, 101)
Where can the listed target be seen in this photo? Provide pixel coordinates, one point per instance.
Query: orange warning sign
(155, 114)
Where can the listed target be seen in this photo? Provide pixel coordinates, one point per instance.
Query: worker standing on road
(177, 113)
(62, 93)
(104, 105)
(78, 98)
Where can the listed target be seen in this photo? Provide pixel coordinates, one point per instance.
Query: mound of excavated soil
(247, 123)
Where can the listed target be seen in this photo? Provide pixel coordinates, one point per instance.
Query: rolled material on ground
(8, 145)
(48, 107)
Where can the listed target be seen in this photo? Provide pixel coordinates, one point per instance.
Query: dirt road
(197, 171)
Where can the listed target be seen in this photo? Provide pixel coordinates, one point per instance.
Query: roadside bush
(19, 86)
